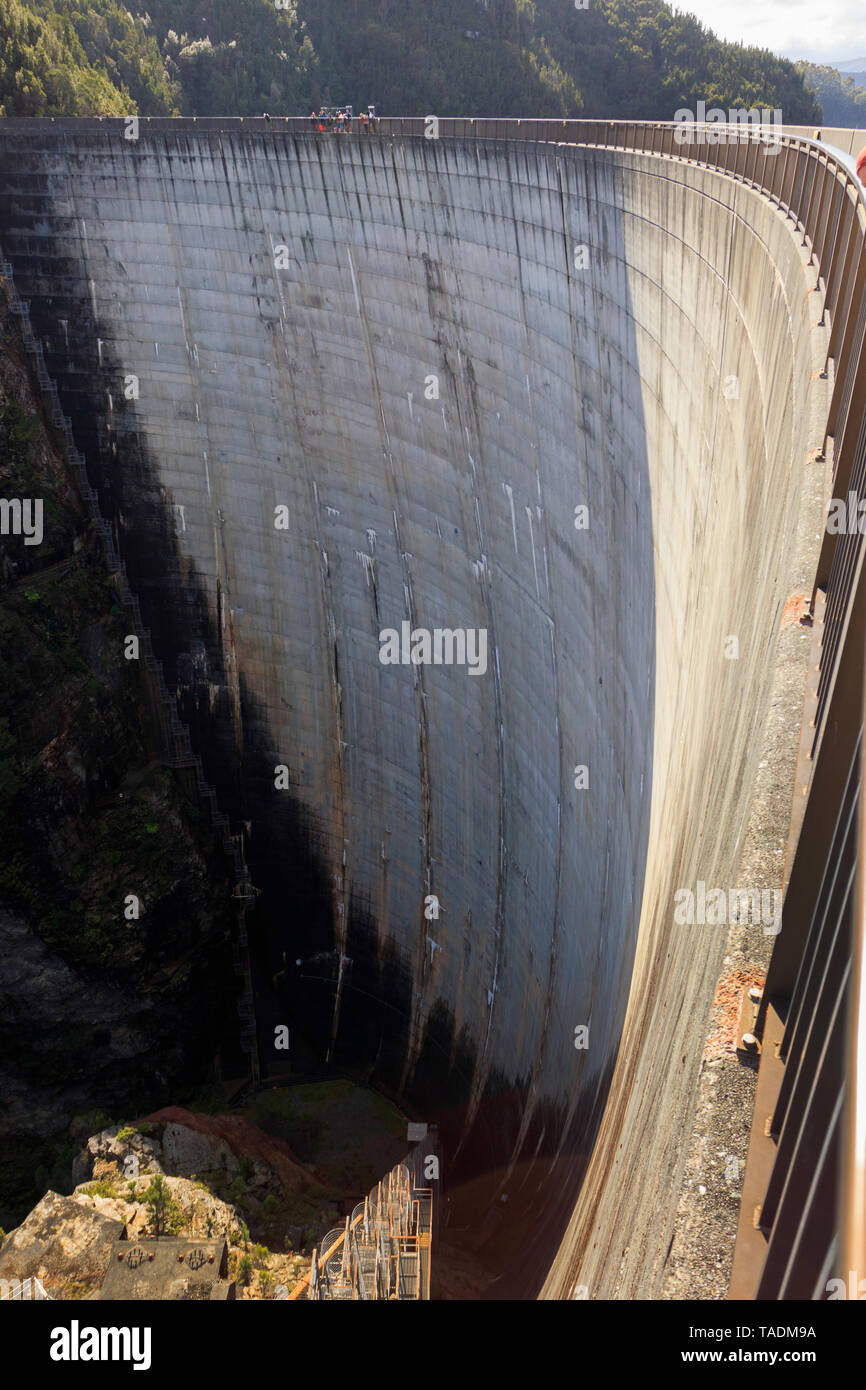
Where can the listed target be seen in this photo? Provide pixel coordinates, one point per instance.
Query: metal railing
(29, 1290)
(383, 1250)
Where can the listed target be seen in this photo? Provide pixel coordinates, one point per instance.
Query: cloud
(793, 28)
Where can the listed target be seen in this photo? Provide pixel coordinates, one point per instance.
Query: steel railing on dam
(810, 1163)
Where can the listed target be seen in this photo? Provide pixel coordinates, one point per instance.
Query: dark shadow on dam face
(327, 388)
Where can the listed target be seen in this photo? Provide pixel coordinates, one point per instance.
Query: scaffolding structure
(383, 1250)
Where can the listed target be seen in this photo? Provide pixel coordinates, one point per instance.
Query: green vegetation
(236, 1190)
(618, 58)
(166, 1216)
(89, 715)
(79, 57)
(843, 101)
(103, 1187)
(350, 1134)
(66, 758)
(91, 1122)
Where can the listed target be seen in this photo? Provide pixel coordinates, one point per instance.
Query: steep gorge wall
(97, 1014)
(283, 303)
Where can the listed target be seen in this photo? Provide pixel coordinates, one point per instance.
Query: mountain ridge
(621, 58)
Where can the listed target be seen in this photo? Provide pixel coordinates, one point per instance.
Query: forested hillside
(79, 57)
(842, 98)
(497, 57)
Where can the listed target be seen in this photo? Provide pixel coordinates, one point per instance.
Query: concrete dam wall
(550, 397)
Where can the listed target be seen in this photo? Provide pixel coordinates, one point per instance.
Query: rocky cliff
(97, 1011)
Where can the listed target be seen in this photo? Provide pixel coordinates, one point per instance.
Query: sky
(819, 30)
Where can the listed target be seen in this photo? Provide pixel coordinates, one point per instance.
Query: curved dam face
(354, 407)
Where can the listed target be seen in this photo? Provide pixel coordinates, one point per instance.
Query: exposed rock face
(106, 1155)
(34, 978)
(193, 1143)
(204, 1215)
(64, 1242)
(184, 1144)
(185, 1152)
(97, 1012)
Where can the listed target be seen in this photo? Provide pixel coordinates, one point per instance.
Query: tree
(843, 101)
(165, 1215)
(634, 59)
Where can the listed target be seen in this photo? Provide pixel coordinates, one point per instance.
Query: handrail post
(853, 1184)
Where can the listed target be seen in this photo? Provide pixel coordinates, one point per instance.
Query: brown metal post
(853, 1186)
